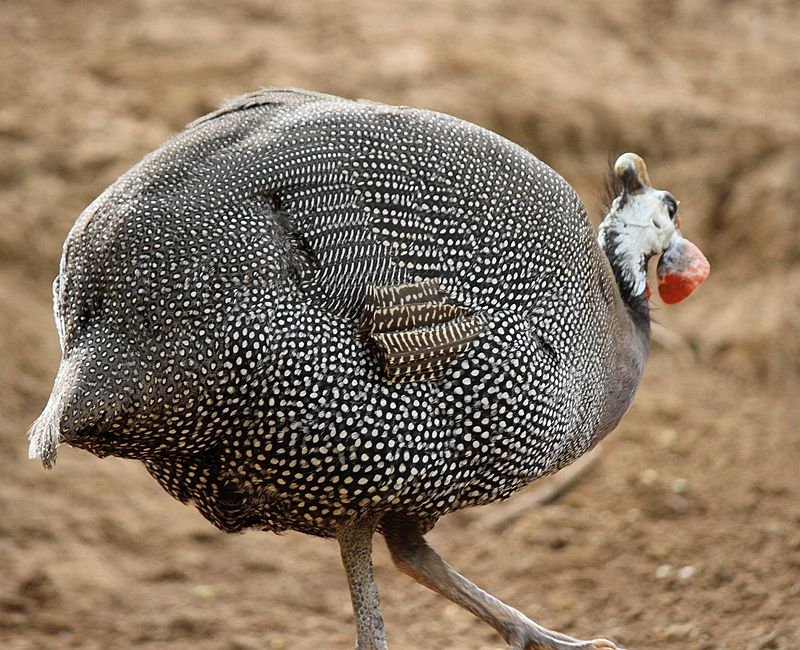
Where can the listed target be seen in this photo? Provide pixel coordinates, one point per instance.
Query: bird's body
(211, 307)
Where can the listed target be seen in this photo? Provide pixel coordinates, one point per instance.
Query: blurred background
(684, 534)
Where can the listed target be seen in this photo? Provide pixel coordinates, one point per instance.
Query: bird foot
(539, 638)
(604, 643)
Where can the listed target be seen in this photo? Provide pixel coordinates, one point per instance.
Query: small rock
(677, 504)
(667, 436)
(648, 476)
(241, 642)
(686, 572)
(663, 571)
(204, 591)
(680, 486)
(633, 514)
(680, 632)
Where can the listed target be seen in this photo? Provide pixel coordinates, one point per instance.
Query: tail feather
(45, 433)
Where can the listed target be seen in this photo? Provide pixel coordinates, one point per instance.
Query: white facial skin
(643, 227)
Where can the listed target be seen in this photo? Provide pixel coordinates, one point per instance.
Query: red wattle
(674, 287)
(681, 268)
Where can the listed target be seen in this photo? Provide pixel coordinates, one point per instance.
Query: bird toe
(605, 643)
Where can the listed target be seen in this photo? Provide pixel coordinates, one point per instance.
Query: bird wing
(387, 195)
(414, 332)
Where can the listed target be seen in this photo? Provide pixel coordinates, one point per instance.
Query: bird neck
(631, 315)
(629, 265)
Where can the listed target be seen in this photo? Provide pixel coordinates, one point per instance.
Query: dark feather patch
(413, 332)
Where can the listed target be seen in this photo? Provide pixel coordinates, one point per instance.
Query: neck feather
(629, 265)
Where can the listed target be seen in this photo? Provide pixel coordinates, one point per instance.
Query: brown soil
(685, 534)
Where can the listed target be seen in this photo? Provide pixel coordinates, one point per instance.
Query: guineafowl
(341, 317)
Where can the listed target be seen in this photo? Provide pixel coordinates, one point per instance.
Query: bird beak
(681, 268)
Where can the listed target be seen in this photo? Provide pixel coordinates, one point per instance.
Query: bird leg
(413, 556)
(355, 543)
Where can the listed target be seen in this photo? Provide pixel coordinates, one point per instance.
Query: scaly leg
(413, 556)
(355, 542)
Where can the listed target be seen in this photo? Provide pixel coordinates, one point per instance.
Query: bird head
(642, 222)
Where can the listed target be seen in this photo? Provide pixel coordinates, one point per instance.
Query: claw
(605, 643)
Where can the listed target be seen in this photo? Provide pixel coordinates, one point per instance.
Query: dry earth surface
(685, 534)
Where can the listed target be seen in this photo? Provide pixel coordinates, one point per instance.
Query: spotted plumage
(303, 311)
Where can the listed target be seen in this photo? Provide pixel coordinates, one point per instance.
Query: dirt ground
(686, 532)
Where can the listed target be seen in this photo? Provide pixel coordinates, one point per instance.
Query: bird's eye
(672, 205)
